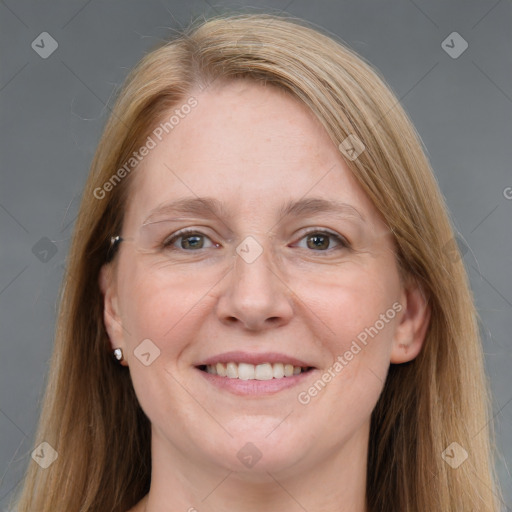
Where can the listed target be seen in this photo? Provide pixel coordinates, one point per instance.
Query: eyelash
(168, 243)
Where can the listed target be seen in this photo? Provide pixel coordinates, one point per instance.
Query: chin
(253, 452)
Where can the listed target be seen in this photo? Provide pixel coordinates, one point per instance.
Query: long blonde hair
(90, 413)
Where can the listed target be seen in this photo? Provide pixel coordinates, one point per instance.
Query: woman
(264, 249)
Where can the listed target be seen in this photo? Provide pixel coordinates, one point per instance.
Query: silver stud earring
(118, 354)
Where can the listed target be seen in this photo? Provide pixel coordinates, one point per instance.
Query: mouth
(247, 371)
(244, 373)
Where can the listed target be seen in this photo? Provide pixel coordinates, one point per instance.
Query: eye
(192, 240)
(188, 239)
(323, 240)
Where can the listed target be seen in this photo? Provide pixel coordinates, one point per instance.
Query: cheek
(167, 312)
(356, 312)
(162, 306)
(350, 300)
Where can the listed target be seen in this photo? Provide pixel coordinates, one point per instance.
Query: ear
(413, 323)
(111, 316)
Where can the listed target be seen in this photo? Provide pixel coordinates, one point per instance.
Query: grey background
(53, 111)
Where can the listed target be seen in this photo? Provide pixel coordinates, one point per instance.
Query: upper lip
(254, 358)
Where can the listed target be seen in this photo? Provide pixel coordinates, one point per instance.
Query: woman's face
(288, 265)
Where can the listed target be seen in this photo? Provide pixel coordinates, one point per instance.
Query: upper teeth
(245, 371)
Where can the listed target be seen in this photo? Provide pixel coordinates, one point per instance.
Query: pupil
(194, 245)
(319, 242)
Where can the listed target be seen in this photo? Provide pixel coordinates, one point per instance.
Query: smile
(255, 373)
(247, 371)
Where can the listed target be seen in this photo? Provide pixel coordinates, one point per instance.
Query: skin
(254, 147)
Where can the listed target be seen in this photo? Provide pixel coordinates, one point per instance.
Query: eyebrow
(210, 207)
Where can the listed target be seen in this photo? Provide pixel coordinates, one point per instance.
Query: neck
(336, 483)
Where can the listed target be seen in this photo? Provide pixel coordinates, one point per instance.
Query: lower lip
(255, 387)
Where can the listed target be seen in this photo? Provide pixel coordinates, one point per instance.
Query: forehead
(248, 145)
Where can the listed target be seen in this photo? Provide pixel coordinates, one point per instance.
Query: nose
(255, 295)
